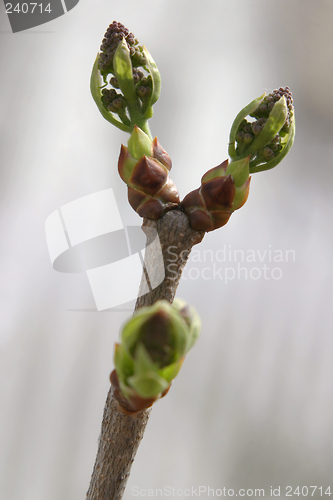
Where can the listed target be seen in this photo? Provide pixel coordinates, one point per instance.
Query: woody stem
(121, 433)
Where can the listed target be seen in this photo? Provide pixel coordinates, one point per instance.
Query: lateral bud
(153, 346)
(223, 190)
(144, 166)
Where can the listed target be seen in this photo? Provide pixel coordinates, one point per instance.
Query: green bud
(267, 140)
(153, 345)
(118, 64)
(145, 166)
(162, 331)
(139, 144)
(223, 190)
(247, 139)
(267, 153)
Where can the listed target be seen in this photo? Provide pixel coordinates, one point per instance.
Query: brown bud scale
(218, 193)
(151, 192)
(135, 403)
(148, 175)
(199, 219)
(210, 206)
(152, 209)
(160, 154)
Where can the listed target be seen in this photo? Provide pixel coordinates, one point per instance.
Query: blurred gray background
(252, 406)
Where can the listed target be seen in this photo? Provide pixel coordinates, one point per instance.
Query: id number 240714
(27, 8)
(305, 491)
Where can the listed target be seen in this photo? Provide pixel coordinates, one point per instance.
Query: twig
(122, 431)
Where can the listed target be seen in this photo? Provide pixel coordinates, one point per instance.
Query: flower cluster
(114, 34)
(264, 130)
(267, 105)
(125, 82)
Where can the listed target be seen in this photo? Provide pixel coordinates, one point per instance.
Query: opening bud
(125, 65)
(264, 130)
(152, 349)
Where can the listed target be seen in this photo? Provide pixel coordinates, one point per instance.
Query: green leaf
(180, 333)
(156, 82)
(170, 372)
(195, 330)
(239, 170)
(123, 71)
(126, 164)
(123, 362)
(131, 329)
(241, 195)
(250, 108)
(95, 88)
(272, 127)
(149, 385)
(192, 320)
(142, 361)
(127, 391)
(288, 142)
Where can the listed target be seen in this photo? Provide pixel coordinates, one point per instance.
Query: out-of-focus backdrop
(253, 404)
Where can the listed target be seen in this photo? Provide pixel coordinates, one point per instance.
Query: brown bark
(176, 238)
(119, 440)
(122, 432)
